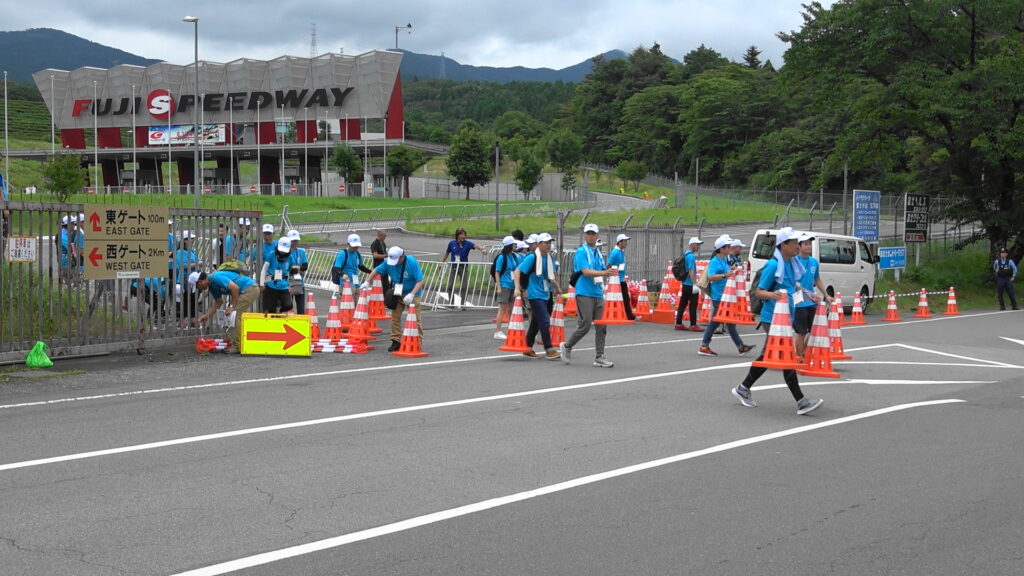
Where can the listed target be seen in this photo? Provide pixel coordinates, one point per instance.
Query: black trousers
(689, 298)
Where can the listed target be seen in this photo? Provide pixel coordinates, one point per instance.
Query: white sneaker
(565, 352)
(808, 405)
(602, 362)
(500, 336)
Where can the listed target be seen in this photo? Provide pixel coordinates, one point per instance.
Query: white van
(847, 264)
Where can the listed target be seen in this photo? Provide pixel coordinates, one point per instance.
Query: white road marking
(1014, 340)
(335, 542)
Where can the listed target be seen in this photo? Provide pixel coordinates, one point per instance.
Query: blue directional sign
(866, 214)
(891, 257)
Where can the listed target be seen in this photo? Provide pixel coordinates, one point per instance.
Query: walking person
(459, 250)
(348, 264)
(505, 264)
(407, 280)
(241, 292)
(540, 267)
(805, 298)
(777, 275)
(617, 260)
(277, 298)
(719, 273)
(590, 265)
(689, 295)
(1006, 273)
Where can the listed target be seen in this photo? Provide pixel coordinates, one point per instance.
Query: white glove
(364, 286)
(407, 299)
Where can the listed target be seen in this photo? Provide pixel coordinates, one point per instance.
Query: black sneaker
(395, 345)
(746, 348)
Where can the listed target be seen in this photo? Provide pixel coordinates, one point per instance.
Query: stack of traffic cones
(892, 312)
(704, 316)
(643, 303)
(743, 296)
(348, 306)
(951, 307)
(857, 314)
(359, 330)
(780, 348)
(835, 335)
(842, 311)
(557, 325)
(614, 310)
(818, 354)
(206, 345)
(377, 309)
(674, 285)
(334, 330)
(663, 312)
(314, 321)
(515, 339)
(343, 346)
(729, 311)
(570, 303)
(922, 306)
(411, 340)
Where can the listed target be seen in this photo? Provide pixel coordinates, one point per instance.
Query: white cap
(64, 221)
(544, 237)
(394, 253)
(170, 222)
(192, 279)
(591, 228)
(354, 240)
(725, 237)
(695, 240)
(521, 245)
(507, 241)
(786, 234)
(244, 222)
(804, 237)
(294, 235)
(268, 228)
(532, 239)
(81, 216)
(620, 238)
(737, 242)
(722, 242)
(284, 245)
(186, 234)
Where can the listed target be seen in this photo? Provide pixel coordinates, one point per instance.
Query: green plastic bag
(37, 357)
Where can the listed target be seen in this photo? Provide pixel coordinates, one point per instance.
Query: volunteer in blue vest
(348, 264)
(459, 250)
(689, 295)
(172, 245)
(407, 279)
(236, 246)
(540, 267)
(241, 292)
(269, 242)
(185, 262)
(806, 299)
(298, 263)
(617, 260)
(1006, 274)
(274, 283)
(65, 251)
(504, 264)
(719, 273)
(589, 262)
(778, 275)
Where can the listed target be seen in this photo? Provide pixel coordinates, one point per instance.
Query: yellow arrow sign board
(275, 335)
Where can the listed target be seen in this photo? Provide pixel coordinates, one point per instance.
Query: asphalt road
(472, 461)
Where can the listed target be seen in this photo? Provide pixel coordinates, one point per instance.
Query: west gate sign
(289, 88)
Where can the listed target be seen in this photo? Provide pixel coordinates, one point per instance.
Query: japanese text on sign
(915, 218)
(22, 249)
(866, 214)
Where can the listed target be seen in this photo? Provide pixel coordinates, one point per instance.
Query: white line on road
(284, 553)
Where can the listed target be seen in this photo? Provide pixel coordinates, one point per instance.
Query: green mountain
(25, 52)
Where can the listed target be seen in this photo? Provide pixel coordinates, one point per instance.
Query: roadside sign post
(125, 242)
(916, 221)
(892, 258)
(866, 214)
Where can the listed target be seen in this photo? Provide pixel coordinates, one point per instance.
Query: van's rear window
(764, 248)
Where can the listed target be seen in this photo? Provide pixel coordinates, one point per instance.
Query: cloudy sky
(531, 33)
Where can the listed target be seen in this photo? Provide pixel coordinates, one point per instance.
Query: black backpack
(504, 265)
(679, 267)
(756, 304)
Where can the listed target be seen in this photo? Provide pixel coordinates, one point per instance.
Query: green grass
(968, 270)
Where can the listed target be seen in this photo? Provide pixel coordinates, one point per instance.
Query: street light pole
(95, 134)
(407, 27)
(305, 150)
(195, 111)
(53, 121)
(135, 160)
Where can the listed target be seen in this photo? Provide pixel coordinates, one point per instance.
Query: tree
(938, 82)
(347, 163)
(403, 161)
(63, 175)
(565, 150)
(751, 58)
(469, 157)
(701, 59)
(631, 171)
(529, 173)
(649, 129)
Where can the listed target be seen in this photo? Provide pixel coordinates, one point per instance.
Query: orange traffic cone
(377, 309)
(729, 311)
(857, 314)
(570, 303)
(557, 325)
(314, 321)
(835, 334)
(674, 284)
(643, 303)
(922, 306)
(334, 330)
(780, 347)
(892, 313)
(743, 295)
(348, 306)
(704, 316)
(614, 312)
(842, 311)
(951, 307)
(818, 354)
(664, 312)
(359, 330)
(515, 340)
(411, 340)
